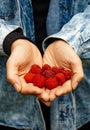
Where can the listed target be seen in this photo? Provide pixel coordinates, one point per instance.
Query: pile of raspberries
(47, 76)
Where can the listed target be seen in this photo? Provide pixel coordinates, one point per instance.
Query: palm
(22, 57)
(61, 54)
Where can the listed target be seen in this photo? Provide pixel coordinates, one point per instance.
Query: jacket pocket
(8, 9)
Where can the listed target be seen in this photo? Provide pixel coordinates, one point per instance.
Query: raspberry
(60, 69)
(35, 69)
(45, 67)
(67, 74)
(60, 77)
(47, 76)
(48, 73)
(39, 80)
(51, 83)
(29, 77)
(55, 69)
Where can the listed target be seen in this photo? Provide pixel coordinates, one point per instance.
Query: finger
(53, 94)
(64, 89)
(12, 75)
(29, 88)
(44, 96)
(77, 76)
(48, 103)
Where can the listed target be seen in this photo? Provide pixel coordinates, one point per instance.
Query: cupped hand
(23, 55)
(60, 54)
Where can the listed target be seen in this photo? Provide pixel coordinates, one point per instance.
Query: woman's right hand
(23, 55)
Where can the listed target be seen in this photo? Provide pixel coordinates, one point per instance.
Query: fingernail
(16, 86)
(75, 85)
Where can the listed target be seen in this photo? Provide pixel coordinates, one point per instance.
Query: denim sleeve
(5, 29)
(76, 33)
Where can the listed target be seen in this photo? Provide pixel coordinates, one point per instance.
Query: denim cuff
(10, 38)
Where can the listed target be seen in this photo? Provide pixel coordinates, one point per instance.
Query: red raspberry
(45, 67)
(47, 76)
(48, 73)
(67, 74)
(29, 77)
(39, 80)
(51, 83)
(60, 77)
(35, 69)
(55, 69)
(60, 69)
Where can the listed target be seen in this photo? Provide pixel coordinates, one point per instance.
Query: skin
(59, 53)
(23, 55)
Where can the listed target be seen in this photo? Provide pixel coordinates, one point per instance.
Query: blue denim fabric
(63, 113)
(17, 110)
(75, 31)
(67, 112)
(16, 14)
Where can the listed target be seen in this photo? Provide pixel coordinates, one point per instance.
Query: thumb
(12, 76)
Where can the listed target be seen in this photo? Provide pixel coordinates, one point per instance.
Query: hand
(23, 55)
(44, 97)
(61, 54)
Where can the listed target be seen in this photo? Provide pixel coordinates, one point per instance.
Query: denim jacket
(68, 20)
